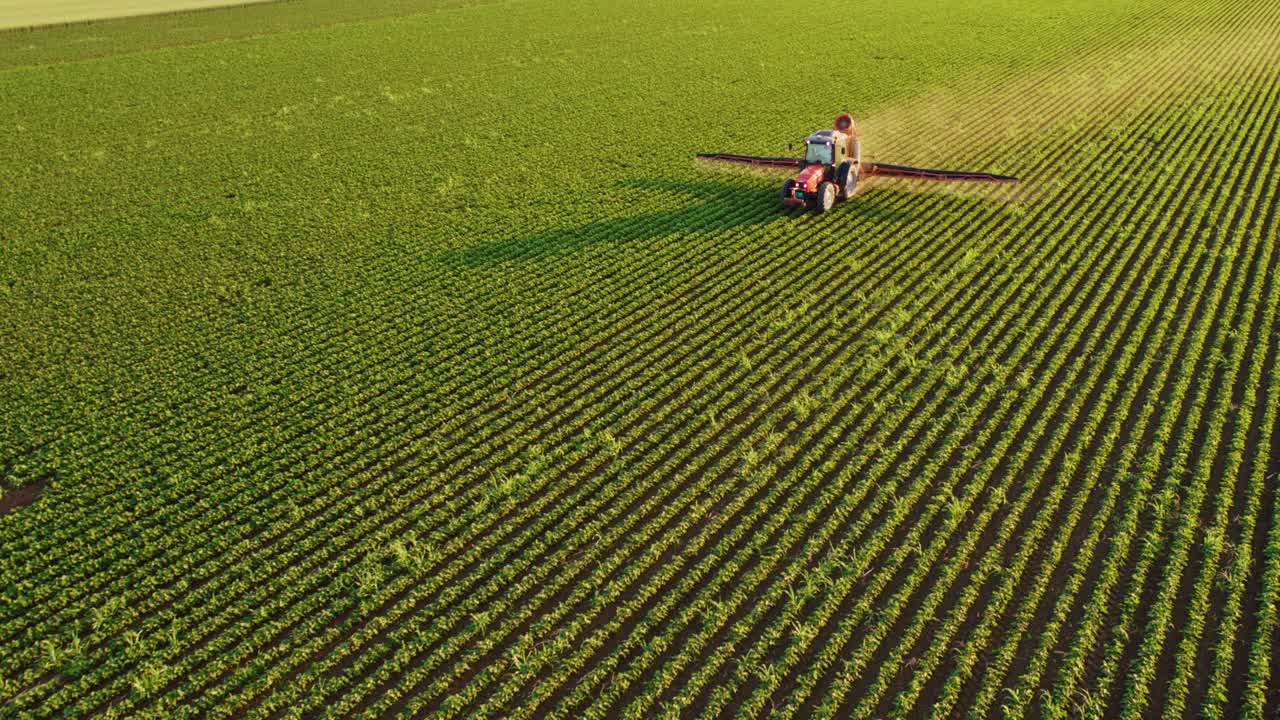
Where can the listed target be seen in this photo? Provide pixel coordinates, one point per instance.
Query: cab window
(817, 153)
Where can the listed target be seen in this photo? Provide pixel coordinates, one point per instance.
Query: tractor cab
(825, 147)
(831, 147)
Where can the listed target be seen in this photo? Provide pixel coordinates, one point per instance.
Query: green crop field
(397, 358)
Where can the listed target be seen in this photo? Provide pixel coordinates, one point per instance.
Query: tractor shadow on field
(724, 206)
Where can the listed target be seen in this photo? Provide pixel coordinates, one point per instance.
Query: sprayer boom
(832, 166)
(913, 173)
(784, 162)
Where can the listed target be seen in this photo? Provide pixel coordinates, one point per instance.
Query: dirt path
(29, 13)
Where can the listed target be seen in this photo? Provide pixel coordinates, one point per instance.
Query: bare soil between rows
(14, 500)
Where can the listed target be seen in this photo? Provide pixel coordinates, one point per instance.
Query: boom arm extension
(902, 171)
(783, 162)
(868, 169)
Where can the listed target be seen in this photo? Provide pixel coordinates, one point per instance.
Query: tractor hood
(810, 177)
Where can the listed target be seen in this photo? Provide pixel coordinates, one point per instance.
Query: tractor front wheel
(788, 194)
(826, 197)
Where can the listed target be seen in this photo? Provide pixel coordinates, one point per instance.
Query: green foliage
(397, 360)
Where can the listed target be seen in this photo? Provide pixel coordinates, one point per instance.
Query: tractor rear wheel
(847, 179)
(826, 197)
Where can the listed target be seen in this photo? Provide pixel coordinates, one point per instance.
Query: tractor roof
(825, 136)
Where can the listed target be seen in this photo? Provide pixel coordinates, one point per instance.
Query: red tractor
(832, 166)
